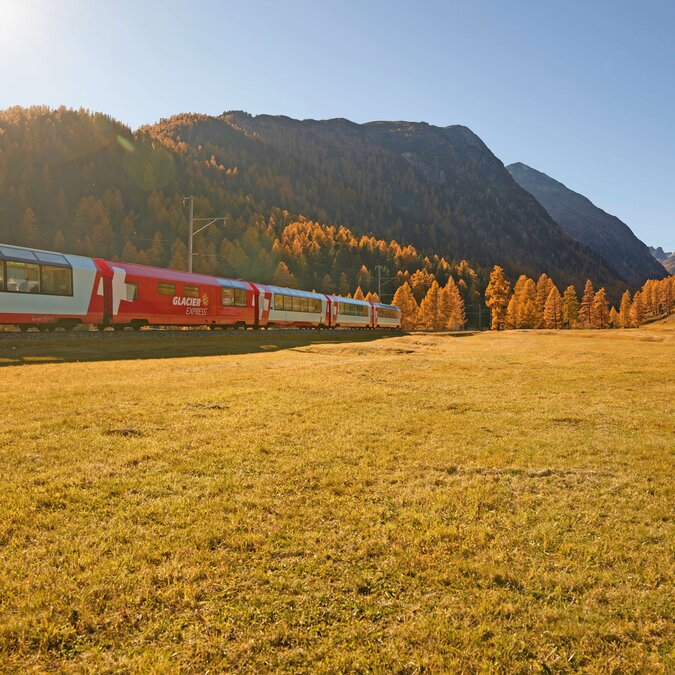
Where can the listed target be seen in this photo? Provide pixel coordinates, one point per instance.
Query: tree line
(540, 304)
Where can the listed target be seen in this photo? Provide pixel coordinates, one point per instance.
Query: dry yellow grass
(311, 503)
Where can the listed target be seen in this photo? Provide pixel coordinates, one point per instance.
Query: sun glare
(17, 24)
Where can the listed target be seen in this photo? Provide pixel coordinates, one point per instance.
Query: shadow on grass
(38, 348)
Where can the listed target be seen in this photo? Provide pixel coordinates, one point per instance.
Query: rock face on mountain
(667, 259)
(603, 233)
(439, 188)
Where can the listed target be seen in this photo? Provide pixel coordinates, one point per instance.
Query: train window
(228, 297)
(165, 288)
(56, 280)
(240, 297)
(23, 277)
(191, 291)
(278, 301)
(2, 276)
(303, 305)
(297, 303)
(317, 305)
(132, 291)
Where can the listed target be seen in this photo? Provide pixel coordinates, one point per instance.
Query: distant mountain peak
(587, 223)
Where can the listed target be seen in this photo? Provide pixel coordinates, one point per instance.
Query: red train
(49, 290)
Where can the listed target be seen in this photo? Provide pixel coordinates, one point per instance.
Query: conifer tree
(30, 234)
(328, 285)
(570, 307)
(405, 301)
(528, 306)
(283, 276)
(553, 309)
(512, 313)
(497, 298)
(544, 286)
(585, 318)
(453, 316)
(358, 294)
(637, 316)
(614, 321)
(624, 310)
(600, 310)
(431, 315)
(343, 285)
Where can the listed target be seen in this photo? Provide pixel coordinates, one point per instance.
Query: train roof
(35, 255)
(177, 275)
(383, 306)
(293, 292)
(350, 301)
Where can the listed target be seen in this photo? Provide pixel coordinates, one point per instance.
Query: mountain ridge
(604, 233)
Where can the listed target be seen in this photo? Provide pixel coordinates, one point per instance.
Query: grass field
(338, 502)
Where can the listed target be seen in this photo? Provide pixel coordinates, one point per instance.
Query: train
(48, 290)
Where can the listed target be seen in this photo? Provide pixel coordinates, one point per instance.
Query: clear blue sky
(584, 91)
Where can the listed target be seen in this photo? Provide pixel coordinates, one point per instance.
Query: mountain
(667, 259)
(603, 233)
(329, 199)
(438, 188)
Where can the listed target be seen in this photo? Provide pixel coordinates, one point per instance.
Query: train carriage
(351, 313)
(278, 306)
(387, 316)
(49, 290)
(139, 295)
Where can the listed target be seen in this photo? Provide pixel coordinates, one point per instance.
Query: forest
(80, 182)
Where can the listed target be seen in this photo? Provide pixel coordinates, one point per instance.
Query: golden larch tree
(585, 309)
(497, 298)
(570, 307)
(528, 307)
(544, 286)
(600, 310)
(358, 294)
(624, 310)
(512, 312)
(636, 315)
(431, 314)
(405, 301)
(614, 321)
(553, 309)
(452, 306)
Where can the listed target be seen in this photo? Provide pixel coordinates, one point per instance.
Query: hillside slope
(85, 183)
(440, 189)
(579, 217)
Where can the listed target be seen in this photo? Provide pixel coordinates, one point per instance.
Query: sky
(583, 91)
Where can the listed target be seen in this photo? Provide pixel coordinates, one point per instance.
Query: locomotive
(50, 290)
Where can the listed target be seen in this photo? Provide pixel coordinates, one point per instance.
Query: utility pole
(191, 230)
(379, 281)
(190, 199)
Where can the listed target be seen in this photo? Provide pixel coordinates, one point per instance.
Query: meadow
(333, 502)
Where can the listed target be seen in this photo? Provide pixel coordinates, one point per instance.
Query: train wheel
(24, 328)
(117, 327)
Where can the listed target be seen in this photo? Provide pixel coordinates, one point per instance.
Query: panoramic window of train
(278, 301)
(191, 291)
(2, 276)
(165, 288)
(240, 297)
(303, 305)
(57, 280)
(23, 277)
(297, 303)
(228, 297)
